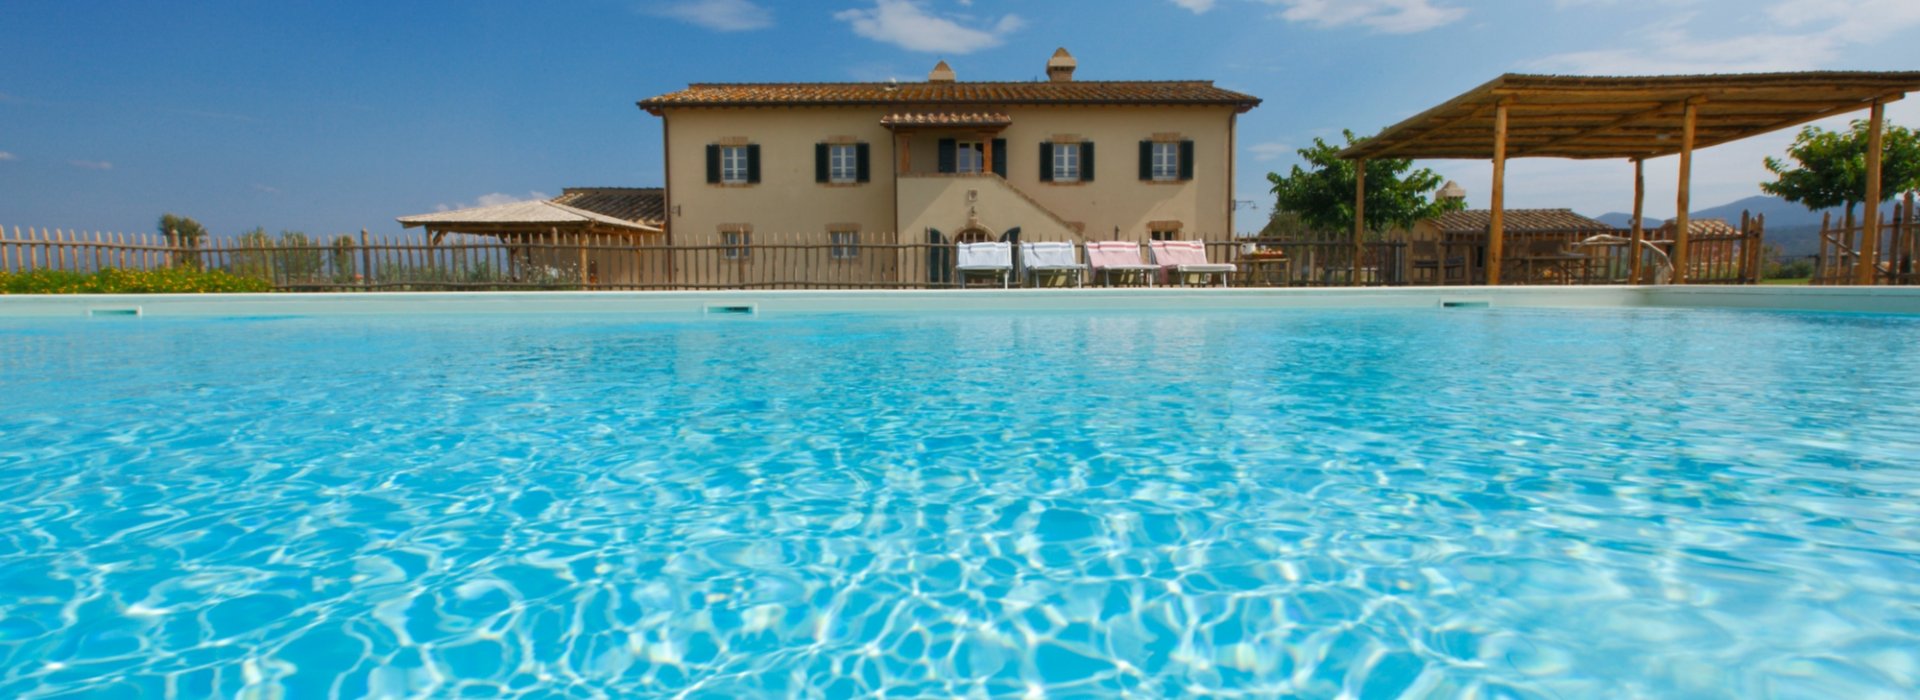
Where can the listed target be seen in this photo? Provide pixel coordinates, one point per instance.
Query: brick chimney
(941, 73)
(1060, 67)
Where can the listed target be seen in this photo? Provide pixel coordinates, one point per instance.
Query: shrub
(1787, 269)
(171, 280)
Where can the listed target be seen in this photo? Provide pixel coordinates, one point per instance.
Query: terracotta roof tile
(1520, 221)
(1110, 92)
(640, 205)
(1704, 227)
(628, 208)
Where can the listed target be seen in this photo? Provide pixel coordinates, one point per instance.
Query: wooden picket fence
(1894, 261)
(417, 262)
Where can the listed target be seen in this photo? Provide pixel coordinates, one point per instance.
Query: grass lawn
(1788, 280)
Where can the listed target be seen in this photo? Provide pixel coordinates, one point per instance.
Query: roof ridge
(883, 83)
(568, 190)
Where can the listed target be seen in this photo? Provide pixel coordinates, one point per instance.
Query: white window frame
(846, 245)
(843, 163)
(962, 150)
(737, 244)
(1166, 161)
(733, 165)
(1066, 162)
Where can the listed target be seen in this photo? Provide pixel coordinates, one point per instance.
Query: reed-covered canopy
(626, 211)
(1635, 118)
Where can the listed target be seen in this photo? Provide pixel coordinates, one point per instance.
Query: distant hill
(1618, 219)
(1779, 212)
(1790, 227)
(1795, 241)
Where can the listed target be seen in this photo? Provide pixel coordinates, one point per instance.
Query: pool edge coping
(1900, 300)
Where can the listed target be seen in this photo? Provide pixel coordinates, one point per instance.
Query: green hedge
(171, 280)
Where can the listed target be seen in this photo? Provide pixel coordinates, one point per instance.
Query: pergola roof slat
(1596, 117)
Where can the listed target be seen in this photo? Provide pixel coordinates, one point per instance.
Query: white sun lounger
(1052, 257)
(993, 258)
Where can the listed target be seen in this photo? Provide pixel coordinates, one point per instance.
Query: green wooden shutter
(820, 157)
(1000, 158)
(1186, 160)
(753, 163)
(713, 164)
(947, 156)
(1146, 160)
(1086, 161)
(862, 171)
(1046, 161)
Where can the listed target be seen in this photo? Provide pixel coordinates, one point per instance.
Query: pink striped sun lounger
(1108, 257)
(1183, 258)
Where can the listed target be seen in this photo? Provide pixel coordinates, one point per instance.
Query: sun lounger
(1109, 257)
(993, 258)
(1052, 258)
(1183, 258)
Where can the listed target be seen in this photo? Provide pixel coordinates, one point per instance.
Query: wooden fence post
(366, 261)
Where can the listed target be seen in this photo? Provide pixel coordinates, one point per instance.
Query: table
(1268, 272)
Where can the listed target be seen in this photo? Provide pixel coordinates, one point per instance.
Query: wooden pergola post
(1682, 218)
(1359, 218)
(1639, 234)
(1497, 221)
(1867, 262)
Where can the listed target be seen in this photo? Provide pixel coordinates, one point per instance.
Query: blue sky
(333, 116)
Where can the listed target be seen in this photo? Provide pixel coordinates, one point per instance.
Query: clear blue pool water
(1357, 504)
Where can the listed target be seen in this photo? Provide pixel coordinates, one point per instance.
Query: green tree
(1397, 195)
(250, 257)
(342, 256)
(1829, 168)
(181, 230)
(299, 257)
(184, 233)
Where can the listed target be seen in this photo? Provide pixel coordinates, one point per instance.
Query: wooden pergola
(521, 219)
(1635, 118)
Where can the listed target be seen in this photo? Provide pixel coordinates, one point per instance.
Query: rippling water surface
(1363, 504)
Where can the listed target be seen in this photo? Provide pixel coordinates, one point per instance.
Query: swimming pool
(1382, 503)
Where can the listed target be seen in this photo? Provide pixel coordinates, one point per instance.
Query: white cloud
(718, 15)
(269, 189)
(1196, 6)
(910, 26)
(1384, 16)
(1819, 34)
(8, 155)
(91, 164)
(1271, 150)
(497, 198)
(493, 200)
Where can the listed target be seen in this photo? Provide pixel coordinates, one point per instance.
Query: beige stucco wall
(1117, 198)
(942, 202)
(788, 200)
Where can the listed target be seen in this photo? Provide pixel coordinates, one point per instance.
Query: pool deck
(1901, 300)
